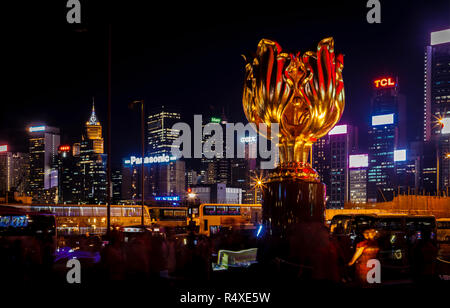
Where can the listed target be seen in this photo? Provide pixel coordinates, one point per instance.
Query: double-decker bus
(29, 235)
(89, 218)
(212, 217)
(443, 230)
(169, 217)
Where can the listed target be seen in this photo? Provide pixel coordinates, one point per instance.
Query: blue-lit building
(387, 133)
(163, 176)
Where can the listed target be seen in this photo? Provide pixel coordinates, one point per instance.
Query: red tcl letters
(384, 83)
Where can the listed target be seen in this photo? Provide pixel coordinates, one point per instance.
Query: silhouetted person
(113, 258)
(424, 258)
(310, 247)
(365, 250)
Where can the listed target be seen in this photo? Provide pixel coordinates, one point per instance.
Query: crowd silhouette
(168, 258)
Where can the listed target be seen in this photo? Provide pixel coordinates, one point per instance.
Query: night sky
(190, 56)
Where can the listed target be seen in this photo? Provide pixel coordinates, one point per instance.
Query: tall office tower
(358, 164)
(405, 170)
(128, 189)
(5, 170)
(94, 132)
(223, 170)
(43, 151)
(172, 180)
(416, 158)
(218, 169)
(243, 170)
(76, 149)
(202, 177)
(159, 130)
(437, 83)
(191, 177)
(342, 142)
(211, 171)
(320, 159)
(116, 179)
(92, 168)
(91, 164)
(69, 184)
(428, 168)
(163, 176)
(437, 107)
(387, 133)
(444, 160)
(13, 173)
(20, 173)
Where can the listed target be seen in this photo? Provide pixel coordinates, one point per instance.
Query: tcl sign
(384, 83)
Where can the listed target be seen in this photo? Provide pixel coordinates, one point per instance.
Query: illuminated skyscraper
(69, 184)
(116, 179)
(330, 160)
(437, 82)
(437, 107)
(358, 164)
(387, 133)
(342, 142)
(164, 178)
(5, 170)
(94, 132)
(320, 161)
(14, 171)
(160, 132)
(92, 168)
(43, 151)
(90, 164)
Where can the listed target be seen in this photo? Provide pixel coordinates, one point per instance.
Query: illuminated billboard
(33, 129)
(399, 155)
(150, 159)
(383, 119)
(3, 148)
(338, 130)
(358, 161)
(387, 82)
(167, 198)
(445, 124)
(440, 37)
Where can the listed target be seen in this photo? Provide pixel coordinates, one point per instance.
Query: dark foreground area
(177, 263)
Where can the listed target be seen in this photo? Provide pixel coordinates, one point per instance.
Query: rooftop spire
(93, 119)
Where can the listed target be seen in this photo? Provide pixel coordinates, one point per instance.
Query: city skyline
(219, 153)
(216, 75)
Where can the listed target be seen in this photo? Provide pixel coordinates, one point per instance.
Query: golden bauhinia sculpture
(304, 94)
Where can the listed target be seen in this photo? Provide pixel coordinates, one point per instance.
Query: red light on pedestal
(387, 82)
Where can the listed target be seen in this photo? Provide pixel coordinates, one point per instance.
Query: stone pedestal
(287, 203)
